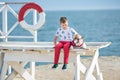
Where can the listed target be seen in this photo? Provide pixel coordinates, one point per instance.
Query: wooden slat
(43, 45)
(4, 71)
(85, 52)
(20, 69)
(14, 73)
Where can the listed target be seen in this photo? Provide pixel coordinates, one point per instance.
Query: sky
(73, 4)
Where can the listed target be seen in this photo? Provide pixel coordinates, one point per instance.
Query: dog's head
(78, 40)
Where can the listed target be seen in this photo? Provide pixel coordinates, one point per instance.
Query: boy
(65, 35)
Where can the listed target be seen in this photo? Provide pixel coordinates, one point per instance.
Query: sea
(94, 25)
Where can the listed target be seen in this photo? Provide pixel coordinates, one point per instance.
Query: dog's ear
(77, 36)
(74, 38)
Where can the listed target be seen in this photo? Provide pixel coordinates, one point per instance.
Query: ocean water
(94, 25)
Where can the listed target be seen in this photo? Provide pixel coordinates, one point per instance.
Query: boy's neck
(65, 28)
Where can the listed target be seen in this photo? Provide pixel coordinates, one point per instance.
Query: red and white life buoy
(26, 7)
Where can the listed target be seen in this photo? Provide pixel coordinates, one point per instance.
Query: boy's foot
(55, 66)
(64, 67)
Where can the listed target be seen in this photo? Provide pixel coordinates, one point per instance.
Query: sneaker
(64, 67)
(55, 66)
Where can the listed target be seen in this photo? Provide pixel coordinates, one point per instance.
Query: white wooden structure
(17, 54)
(5, 33)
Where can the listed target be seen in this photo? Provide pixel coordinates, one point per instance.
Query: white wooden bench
(17, 54)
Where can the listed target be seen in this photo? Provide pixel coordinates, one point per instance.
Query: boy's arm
(55, 40)
(75, 33)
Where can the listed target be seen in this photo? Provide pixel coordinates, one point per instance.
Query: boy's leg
(66, 52)
(57, 52)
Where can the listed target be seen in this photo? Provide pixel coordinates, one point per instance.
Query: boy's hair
(63, 19)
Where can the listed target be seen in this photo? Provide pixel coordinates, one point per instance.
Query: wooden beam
(14, 73)
(20, 69)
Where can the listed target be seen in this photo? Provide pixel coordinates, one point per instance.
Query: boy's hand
(54, 41)
(54, 47)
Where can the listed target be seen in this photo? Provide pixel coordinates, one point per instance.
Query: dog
(78, 42)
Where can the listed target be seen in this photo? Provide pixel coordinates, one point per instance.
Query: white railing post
(99, 74)
(4, 23)
(5, 28)
(77, 72)
(35, 22)
(92, 66)
(32, 64)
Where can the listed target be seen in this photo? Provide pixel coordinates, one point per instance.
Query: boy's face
(64, 25)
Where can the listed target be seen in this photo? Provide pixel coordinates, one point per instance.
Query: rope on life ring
(41, 20)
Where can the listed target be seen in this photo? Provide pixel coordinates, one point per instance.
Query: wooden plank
(4, 71)
(92, 66)
(46, 51)
(99, 74)
(14, 73)
(32, 69)
(36, 57)
(1, 60)
(81, 68)
(20, 69)
(77, 72)
(12, 76)
(43, 45)
(28, 57)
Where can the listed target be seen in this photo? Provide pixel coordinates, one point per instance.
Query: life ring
(41, 20)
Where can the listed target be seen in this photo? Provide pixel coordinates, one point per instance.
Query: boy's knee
(58, 46)
(67, 45)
